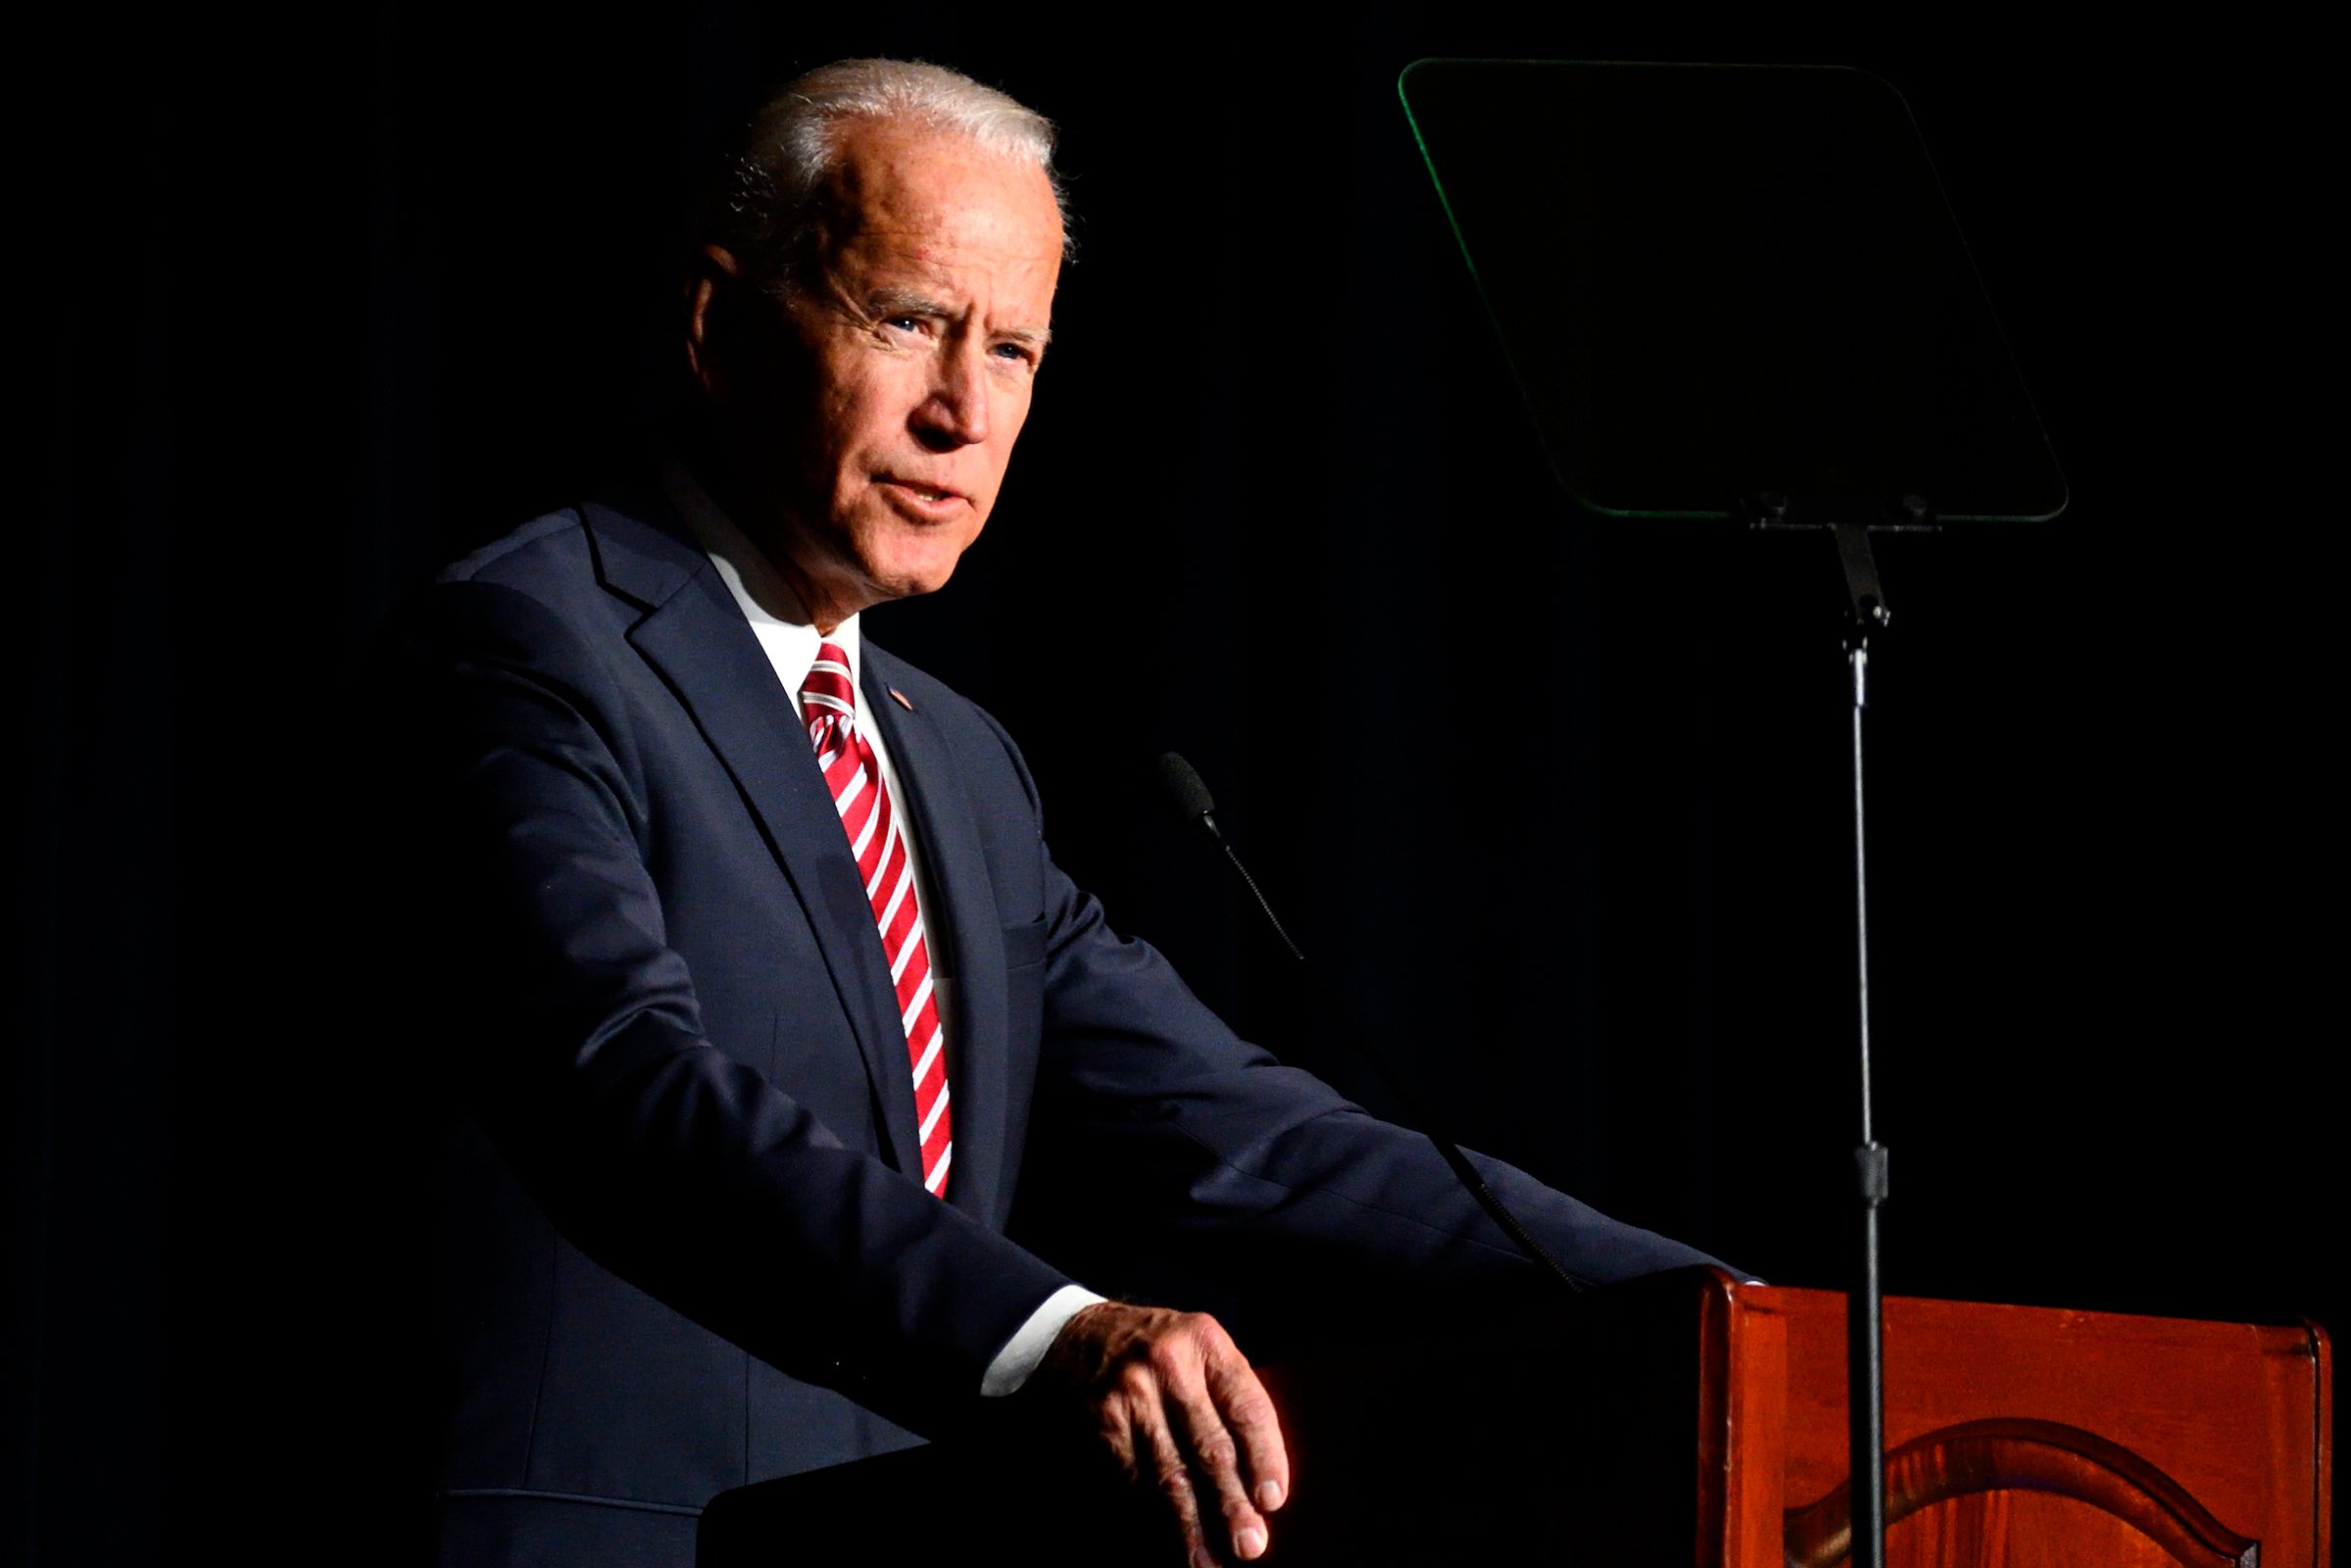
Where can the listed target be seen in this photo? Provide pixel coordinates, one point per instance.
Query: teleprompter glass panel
(1716, 282)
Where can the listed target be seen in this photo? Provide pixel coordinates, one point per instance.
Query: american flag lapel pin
(900, 698)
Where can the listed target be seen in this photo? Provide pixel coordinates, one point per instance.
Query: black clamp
(1869, 1166)
(1868, 611)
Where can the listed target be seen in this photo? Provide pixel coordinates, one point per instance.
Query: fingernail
(1250, 1542)
(1269, 1494)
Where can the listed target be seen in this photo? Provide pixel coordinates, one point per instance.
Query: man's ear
(714, 326)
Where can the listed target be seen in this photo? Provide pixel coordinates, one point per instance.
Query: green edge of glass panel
(1461, 243)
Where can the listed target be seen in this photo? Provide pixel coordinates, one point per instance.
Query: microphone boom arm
(1189, 796)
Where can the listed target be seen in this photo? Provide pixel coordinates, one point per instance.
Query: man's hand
(1179, 1408)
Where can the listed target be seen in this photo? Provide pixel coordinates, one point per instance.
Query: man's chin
(911, 584)
(914, 574)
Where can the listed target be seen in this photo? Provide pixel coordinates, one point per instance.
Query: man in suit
(765, 992)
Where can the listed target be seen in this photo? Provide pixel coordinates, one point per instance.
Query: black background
(321, 299)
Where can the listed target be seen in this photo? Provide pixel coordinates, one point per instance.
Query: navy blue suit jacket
(685, 1242)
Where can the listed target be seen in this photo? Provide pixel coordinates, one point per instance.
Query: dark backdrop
(321, 300)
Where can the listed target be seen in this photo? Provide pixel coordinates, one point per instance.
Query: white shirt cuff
(1028, 1344)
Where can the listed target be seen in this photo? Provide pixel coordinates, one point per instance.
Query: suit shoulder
(543, 550)
(531, 598)
(534, 586)
(600, 566)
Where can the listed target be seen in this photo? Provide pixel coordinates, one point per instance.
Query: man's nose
(955, 414)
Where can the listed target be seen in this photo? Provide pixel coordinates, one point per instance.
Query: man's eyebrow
(888, 302)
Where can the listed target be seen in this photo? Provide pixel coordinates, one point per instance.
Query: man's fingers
(1249, 1411)
(1171, 1472)
(1216, 1458)
(1117, 1418)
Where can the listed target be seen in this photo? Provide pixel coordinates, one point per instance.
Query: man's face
(881, 424)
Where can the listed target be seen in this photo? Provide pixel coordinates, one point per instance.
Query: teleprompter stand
(1738, 293)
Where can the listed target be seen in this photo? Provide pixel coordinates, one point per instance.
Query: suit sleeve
(572, 1034)
(1170, 1154)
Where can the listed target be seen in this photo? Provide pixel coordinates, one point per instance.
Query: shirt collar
(766, 599)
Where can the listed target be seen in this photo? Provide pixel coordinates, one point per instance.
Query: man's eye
(905, 324)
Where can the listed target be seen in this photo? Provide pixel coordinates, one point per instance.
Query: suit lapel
(967, 926)
(698, 640)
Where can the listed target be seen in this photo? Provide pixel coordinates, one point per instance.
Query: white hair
(793, 142)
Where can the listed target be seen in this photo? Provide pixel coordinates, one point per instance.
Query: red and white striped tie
(828, 700)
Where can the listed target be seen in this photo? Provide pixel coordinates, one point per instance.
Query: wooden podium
(1686, 1419)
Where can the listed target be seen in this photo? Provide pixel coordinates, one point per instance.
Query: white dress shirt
(790, 639)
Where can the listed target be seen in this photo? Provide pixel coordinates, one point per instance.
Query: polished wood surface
(1978, 1457)
(2024, 1434)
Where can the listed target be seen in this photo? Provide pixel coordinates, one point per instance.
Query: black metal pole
(1865, 1352)
(1865, 1323)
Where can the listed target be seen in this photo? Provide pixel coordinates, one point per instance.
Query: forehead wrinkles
(905, 194)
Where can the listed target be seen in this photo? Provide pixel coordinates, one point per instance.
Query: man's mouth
(922, 492)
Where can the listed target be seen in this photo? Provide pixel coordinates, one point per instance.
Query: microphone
(1188, 794)
(1188, 799)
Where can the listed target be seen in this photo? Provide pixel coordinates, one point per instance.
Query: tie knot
(828, 690)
